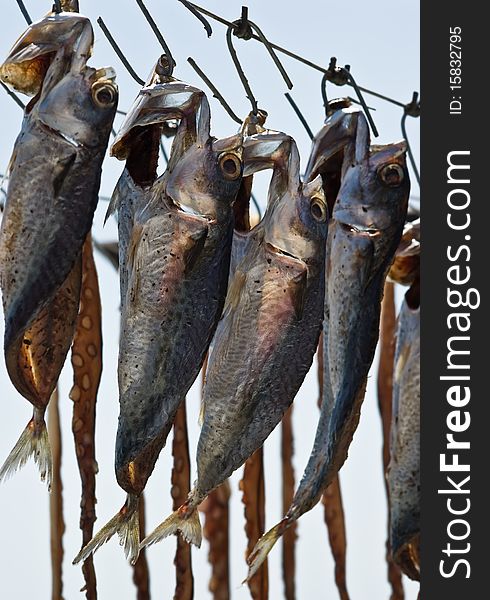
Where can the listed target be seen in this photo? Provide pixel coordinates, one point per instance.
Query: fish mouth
(361, 230)
(31, 56)
(280, 251)
(189, 211)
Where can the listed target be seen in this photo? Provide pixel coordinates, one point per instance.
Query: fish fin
(126, 525)
(297, 289)
(402, 361)
(262, 549)
(234, 291)
(195, 247)
(34, 441)
(113, 205)
(202, 412)
(184, 521)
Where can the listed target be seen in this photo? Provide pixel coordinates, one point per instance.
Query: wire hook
(157, 33)
(411, 109)
(214, 89)
(199, 16)
(24, 12)
(342, 76)
(119, 52)
(244, 28)
(299, 114)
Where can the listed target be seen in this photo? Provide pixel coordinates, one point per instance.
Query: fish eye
(318, 210)
(104, 94)
(391, 175)
(230, 165)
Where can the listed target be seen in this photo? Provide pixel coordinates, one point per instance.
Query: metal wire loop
(156, 31)
(409, 149)
(199, 16)
(299, 114)
(243, 28)
(24, 12)
(214, 89)
(119, 52)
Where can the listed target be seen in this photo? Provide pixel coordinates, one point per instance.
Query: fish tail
(33, 441)
(126, 525)
(263, 547)
(185, 520)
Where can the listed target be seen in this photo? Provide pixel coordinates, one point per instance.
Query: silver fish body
(55, 168)
(364, 232)
(53, 189)
(267, 336)
(366, 227)
(404, 469)
(175, 242)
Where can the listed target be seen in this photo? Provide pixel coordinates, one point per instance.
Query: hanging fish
(404, 469)
(269, 330)
(175, 235)
(329, 146)
(406, 265)
(53, 188)
(365, 230)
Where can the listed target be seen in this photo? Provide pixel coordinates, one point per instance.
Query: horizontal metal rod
(305, 61)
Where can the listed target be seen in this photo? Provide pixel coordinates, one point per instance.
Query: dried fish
(175, 234)
(404, 468)
(53, 190)
(267, 336)
(367, 224)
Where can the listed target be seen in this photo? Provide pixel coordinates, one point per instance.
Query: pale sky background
(380, 40)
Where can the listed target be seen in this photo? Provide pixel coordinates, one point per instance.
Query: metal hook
(342, 76)
(24, 12)
(214, 89)
(199, 16)
(13, 95)
(157, 33)
(119, 53)
(244, 28)
(411, 109)
(298, 112)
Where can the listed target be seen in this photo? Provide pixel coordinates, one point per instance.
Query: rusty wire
(214, 89)
(412, 109)
(300, 115)
(119, 52)
(14, 96)
(301, 59)
(157, 32)
(24, 12)
(198, 15)
(244, 28)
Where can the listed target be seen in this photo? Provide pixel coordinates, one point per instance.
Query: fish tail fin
(185, 520)
(263, 547)
(126, 524)
(33, 441)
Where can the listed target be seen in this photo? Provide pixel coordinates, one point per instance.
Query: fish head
(81, 106)
(298, 223)
(48, 47)
(373, 198)
(206, 178)
(328, 148)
